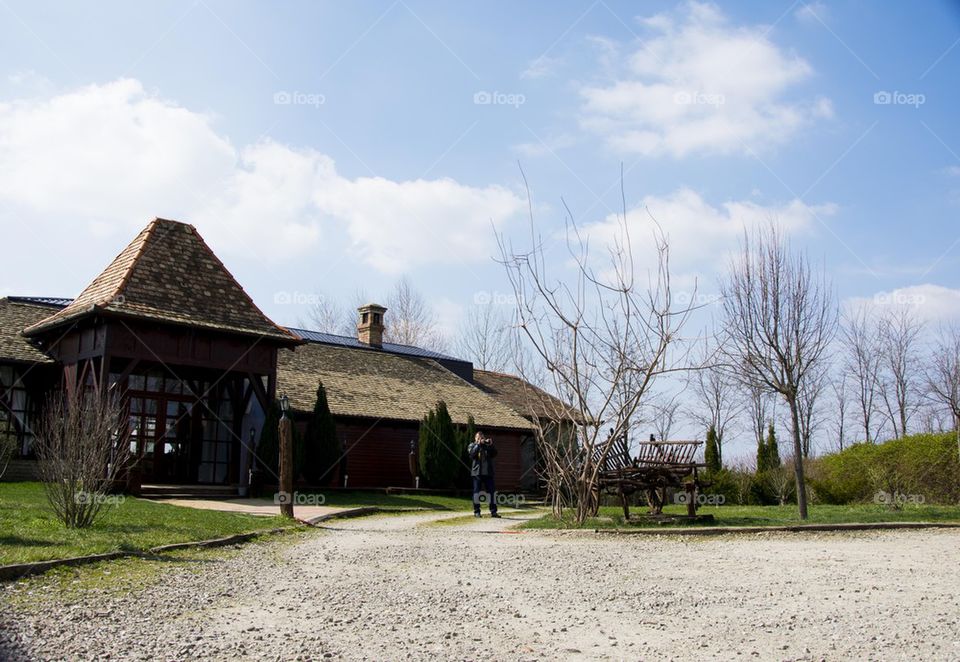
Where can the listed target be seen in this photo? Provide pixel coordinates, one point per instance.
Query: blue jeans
(484, 484)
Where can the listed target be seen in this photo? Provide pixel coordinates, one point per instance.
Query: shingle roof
(168, 273)
(522, 396)
(384, 385)
(14, 316)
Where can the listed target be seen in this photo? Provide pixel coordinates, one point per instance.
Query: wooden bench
(657, 467)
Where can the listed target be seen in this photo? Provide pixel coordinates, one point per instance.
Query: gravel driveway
(389, 588)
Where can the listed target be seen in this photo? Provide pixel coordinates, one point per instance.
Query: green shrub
(711, 454)
(924, 466)
(440, 456)
(321, 448)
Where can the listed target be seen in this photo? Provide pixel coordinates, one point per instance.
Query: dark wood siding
(378, 454)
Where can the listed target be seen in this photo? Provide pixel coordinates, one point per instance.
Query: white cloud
(702, 236)
(930, 303)
(541, 67)
(113, 156)
(697, 84)
(397, 225)
(548, 146)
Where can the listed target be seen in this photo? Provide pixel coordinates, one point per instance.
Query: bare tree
(861, 340)
(781, 481)
(661, 413)
(411, 321)
(717, 400)
(81, 445)
(8, 445)
(761, 408)
(839, 390)
(943, 374)
(327, 316)
(899, 335)
(603, 340)
(779, 320)
(485, 338)
(810, 417)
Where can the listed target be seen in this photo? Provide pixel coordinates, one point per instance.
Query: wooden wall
(378, 454)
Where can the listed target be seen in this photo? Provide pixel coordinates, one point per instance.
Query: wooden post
(691, 489)
(286, 467)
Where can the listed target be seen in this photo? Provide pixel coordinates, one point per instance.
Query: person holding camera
(481, 453)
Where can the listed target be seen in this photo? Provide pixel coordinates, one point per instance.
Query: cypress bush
(772, 448)
(711, 453)
(440, 454)
(322, 450)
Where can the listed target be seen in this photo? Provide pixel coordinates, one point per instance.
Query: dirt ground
(404, 587)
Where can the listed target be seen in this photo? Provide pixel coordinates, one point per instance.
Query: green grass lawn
(30, 532)
(612, 517)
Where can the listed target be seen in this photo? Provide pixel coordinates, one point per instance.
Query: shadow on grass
(25, 542)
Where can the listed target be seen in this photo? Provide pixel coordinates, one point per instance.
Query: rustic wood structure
(168, 328)
(658, 467)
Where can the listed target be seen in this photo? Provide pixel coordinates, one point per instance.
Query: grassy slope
(30, 532)
(611, 517)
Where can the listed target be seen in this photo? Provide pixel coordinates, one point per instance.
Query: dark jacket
(481, 459)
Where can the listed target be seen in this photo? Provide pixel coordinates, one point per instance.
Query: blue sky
(322, 148)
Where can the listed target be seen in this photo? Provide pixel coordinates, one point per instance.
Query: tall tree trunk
(798, 459)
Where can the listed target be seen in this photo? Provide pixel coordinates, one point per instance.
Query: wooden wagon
(658, 467)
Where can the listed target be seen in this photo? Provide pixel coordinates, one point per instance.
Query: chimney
(370, 327)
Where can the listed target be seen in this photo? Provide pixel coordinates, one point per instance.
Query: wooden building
(197, 363)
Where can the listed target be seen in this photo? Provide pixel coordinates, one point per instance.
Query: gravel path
(388, 588)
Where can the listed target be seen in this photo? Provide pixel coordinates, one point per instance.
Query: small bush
(923, 466)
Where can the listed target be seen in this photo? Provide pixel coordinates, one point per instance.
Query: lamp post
(285, 496)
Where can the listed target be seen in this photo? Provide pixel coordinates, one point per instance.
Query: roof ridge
(223, 267)
(147, 232)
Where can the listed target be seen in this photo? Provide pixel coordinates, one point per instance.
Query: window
(15, 424)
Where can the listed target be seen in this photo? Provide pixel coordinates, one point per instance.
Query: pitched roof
(374, 384)
(522, 396)
(169, 274)
(14, 316)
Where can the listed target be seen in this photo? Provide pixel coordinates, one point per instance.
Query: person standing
(481, 453)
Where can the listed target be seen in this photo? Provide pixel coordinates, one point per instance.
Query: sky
(323, 148)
